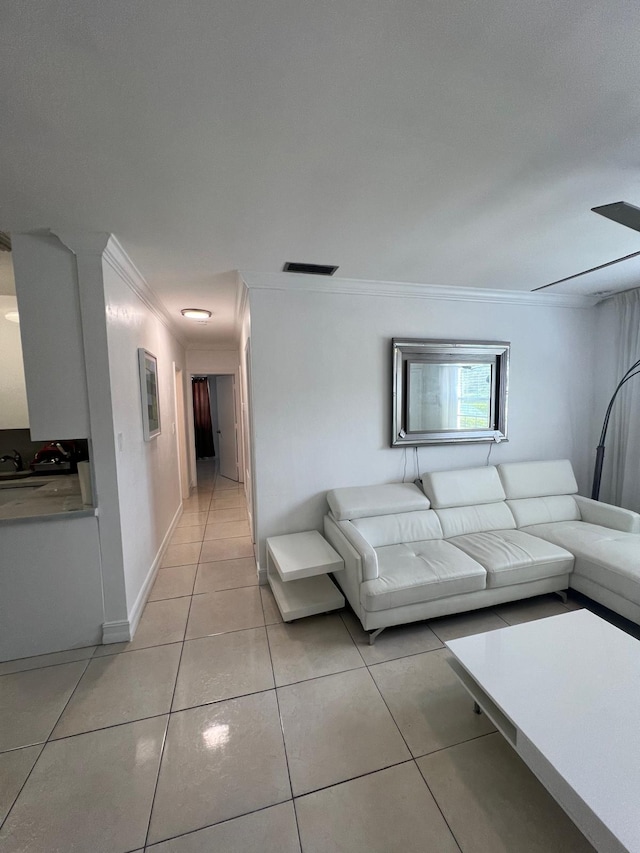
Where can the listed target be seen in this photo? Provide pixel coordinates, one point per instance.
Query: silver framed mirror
(445, 392)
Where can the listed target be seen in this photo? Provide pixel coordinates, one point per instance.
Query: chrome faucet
(18, 464)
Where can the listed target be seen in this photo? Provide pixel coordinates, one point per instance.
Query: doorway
(216, 423)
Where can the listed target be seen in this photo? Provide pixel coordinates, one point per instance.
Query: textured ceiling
(455, 143)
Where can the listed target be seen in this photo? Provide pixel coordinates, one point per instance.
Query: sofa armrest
(349, 542)
(607, 515)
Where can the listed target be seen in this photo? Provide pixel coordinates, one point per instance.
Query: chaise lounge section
(603, 539)
(478, 537)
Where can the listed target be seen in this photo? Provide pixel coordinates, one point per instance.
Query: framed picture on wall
(148, 367)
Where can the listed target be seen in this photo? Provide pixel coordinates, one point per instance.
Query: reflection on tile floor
(202, 733)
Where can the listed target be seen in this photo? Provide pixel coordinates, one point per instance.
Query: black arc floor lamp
(634, 370)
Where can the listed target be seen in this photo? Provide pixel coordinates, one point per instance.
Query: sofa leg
(563, 595)
(374, 634)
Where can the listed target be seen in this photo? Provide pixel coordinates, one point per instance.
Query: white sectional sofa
(478, 537)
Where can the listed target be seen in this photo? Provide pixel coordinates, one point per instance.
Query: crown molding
(410, 290)
(122, 264)
(242, 298)
(107, 247)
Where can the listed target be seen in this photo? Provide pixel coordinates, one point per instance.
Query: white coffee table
(297, 568)
(565, 692)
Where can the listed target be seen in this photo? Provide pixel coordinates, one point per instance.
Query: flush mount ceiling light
(196, 313)
(12, 316)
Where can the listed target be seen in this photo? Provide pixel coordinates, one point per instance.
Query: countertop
(41, 497)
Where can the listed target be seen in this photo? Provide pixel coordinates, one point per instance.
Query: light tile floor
(220, 728)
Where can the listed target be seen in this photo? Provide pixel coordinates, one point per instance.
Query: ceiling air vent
(309, 269)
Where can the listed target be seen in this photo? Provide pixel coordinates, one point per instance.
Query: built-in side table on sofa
(297, 569)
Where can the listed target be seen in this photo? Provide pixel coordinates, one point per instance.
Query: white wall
(147, 472)
(321, 383)
(204, 362)
(13, 392)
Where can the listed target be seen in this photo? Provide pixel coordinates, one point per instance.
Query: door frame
(180, 430)
(240, 427)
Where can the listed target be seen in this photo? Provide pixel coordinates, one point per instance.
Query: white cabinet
(51, 331)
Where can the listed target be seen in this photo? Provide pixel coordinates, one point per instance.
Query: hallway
(83, 732)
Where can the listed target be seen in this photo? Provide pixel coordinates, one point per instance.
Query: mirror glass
(449, 391)
(448, 396)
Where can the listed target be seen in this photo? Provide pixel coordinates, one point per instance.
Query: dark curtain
(202, 418)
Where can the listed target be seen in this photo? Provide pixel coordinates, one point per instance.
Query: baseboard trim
(125, 629)
(262, 574)
(143, 595)
(116, 632)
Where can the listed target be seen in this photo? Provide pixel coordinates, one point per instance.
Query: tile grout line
(47, 665)
(174, 642)
(433, 796)
(353, 778)
(194, 594)
(413, 759)
(166, 729)
(227, 699)
(171, 712)
(150, 847)
(277, 698)
(48, 739)
(410, 751)
(458, 743)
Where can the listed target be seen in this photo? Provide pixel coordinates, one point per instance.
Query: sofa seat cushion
(610, 558)
(579, 537)
(511, 556)
(420, 571)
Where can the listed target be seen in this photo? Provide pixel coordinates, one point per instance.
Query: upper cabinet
(51, 330)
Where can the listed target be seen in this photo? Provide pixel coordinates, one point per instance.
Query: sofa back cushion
(529, 511)
(540, 492)
(370, 501)
(537, 479)
(456, 521)
(467, 487)
(399, 528)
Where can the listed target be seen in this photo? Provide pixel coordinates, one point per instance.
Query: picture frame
(449, 392)
(149, 394)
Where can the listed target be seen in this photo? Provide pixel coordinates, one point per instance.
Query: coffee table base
(563, 691)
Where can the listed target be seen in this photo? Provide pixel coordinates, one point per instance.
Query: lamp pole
(597, 471)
